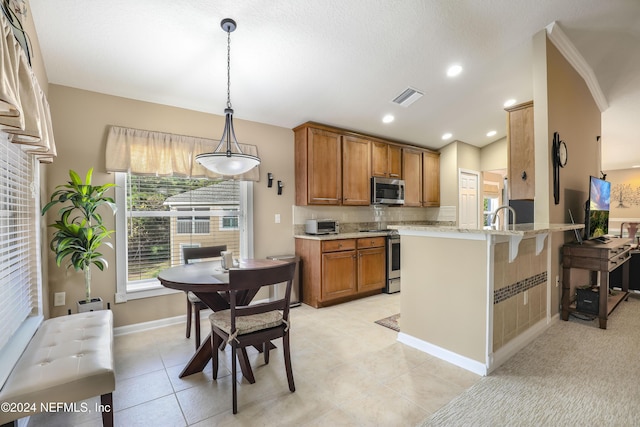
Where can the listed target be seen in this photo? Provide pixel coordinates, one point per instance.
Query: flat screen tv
(597, 212)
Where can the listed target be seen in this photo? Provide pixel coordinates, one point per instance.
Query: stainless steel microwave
(321, 226)
(387, 191)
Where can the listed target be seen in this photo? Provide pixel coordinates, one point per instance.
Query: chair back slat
(202, 253)
(253, 279)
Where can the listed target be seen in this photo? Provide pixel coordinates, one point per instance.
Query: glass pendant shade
(222, 160)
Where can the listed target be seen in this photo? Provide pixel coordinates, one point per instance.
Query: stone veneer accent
(514, 289)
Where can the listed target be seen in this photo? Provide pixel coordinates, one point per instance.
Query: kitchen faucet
(505, 225)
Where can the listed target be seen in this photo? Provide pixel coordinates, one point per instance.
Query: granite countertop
(354, 235)
(520, 229)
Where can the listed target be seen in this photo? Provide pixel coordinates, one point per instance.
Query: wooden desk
(210, 283)
(600, 259)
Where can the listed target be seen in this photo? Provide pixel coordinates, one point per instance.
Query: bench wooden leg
(107, 409)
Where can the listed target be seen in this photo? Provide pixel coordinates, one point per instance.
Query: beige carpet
(573, 374)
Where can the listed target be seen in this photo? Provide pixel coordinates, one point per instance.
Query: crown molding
(575, 58)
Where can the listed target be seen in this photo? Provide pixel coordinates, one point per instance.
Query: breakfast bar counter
(474, 297)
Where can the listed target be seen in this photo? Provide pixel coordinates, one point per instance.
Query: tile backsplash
(353, 218)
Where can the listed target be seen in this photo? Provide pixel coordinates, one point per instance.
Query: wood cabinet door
(395, 161)
(379, 159)
(324, 170)
(412, 166)
(338, 274)
(430, 179)
(372, 271)
(521, 152)
(356, 171)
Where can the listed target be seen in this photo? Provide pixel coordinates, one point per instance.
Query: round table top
(206, 276)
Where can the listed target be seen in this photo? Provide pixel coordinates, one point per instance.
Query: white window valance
(165, 154)
(24, 110)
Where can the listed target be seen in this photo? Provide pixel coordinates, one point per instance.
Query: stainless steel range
(393, 263)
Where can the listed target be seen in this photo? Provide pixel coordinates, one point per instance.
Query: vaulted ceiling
(342, 62)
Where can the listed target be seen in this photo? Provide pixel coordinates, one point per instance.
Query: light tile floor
(348, 371)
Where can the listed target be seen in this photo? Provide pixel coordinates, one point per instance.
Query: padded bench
(69, 359)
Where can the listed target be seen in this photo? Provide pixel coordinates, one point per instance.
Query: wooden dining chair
(244, 325)
(193, 302)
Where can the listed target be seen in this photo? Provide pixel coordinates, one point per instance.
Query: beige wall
(572, 112)
(449, 175)
(625, 198)
(443, 304)
(80, 120)
(468, 156)
(494, 155)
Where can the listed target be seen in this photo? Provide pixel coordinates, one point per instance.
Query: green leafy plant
(80, 232)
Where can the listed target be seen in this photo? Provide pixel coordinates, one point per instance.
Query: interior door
(469, 205)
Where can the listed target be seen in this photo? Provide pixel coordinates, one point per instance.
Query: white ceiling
(341, 62)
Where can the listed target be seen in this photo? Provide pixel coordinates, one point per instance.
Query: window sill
(149, 289)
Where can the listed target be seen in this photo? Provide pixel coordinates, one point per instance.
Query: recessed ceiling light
(491, 133)
(446, 136)
(388, 118)
(509, 102)
(454, 70)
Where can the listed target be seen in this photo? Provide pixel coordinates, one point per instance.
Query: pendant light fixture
(223, 161)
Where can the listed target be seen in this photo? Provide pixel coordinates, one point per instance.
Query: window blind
(18, 241)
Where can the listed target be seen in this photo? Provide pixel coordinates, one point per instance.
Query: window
(229, 223)
(158, 216)
(20, 287)
(193, 224)
(490, 205)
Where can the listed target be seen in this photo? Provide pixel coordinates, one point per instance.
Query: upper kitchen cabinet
(412, 166)
(430, 179)
(386, 160)
(356, 171)
(335, 166)
(520, 146)
(318, 158)
(421, 177)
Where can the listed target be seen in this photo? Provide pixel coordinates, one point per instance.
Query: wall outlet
(526, 297)
(59, 299)
(277, 218)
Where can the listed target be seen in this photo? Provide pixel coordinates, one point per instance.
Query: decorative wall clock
(559, 154)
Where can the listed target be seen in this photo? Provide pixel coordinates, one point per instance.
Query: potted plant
(80, 231)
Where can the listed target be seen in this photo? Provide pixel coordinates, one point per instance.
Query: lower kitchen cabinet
(335, 271)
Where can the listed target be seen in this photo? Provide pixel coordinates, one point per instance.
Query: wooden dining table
(209, 282)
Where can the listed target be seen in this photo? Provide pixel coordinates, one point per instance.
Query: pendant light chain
(229, 68)
(226, 162)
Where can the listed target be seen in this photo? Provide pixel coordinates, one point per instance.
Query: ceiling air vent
(408, 97)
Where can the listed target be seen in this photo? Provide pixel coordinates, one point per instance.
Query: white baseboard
(161, 323)
(441, 353)
(155, 324)
(497, 359)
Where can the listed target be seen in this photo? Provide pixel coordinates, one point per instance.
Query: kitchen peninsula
(474, 297)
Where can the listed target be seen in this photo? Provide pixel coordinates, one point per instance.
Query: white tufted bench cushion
(69, 359)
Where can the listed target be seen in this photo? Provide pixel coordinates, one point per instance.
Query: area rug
(390, 322)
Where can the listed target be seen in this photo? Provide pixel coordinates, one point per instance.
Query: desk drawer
(618, 260)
